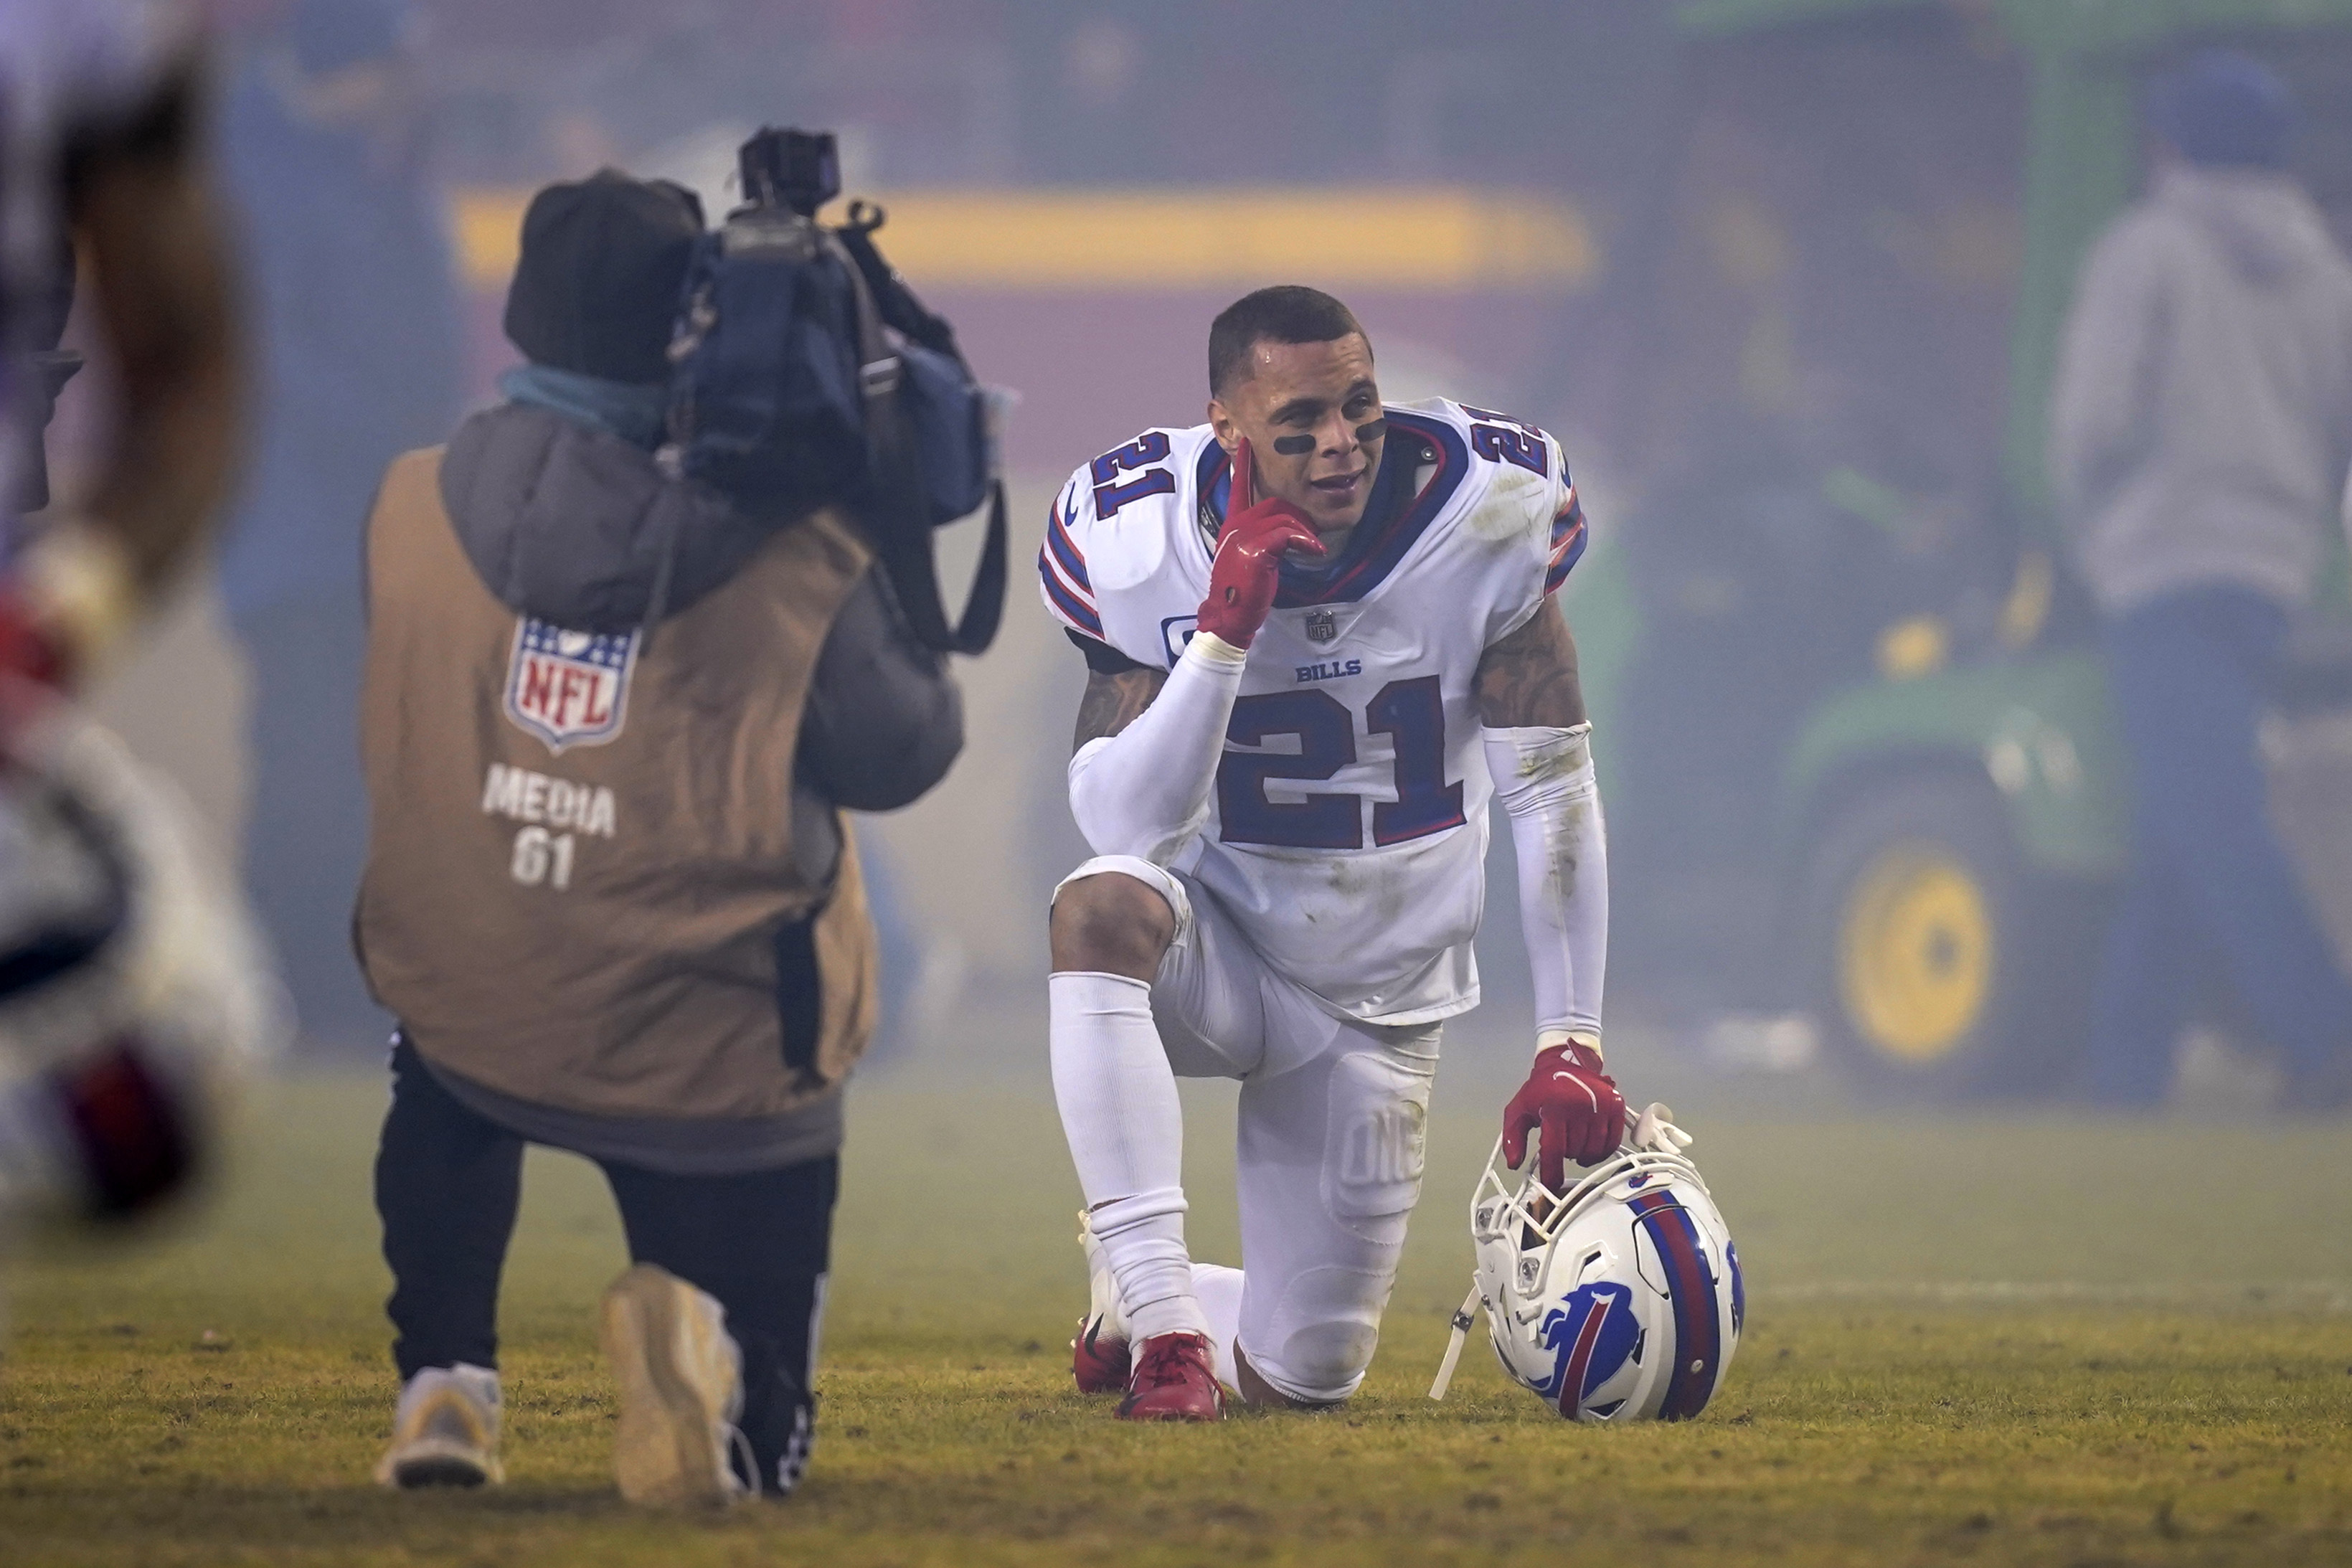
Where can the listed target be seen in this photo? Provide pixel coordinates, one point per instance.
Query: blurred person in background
(610, 724)
(129, 987)
(2201, 422)
(357, 313)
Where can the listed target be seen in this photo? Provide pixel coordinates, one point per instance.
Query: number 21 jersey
(1346, 829)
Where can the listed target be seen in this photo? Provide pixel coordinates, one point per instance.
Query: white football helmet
(1620, 1300)
(135, 992)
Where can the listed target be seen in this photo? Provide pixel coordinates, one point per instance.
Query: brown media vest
(579, 848)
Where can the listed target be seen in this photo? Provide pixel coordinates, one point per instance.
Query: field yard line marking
(2331, 1295)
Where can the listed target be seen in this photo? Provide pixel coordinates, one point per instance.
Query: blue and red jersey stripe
(1567, 542)
(1063, 566)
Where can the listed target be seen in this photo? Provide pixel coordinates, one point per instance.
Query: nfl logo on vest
(570, 688)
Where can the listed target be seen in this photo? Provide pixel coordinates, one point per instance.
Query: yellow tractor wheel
(1915, 952)
(1938, 966)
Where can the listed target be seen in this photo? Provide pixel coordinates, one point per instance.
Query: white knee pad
(1322, 1332)
(1156, 877)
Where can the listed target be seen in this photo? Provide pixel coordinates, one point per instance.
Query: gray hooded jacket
(2202, 416)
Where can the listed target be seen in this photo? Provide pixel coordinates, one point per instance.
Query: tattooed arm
(1529, 676)
(1112, 702)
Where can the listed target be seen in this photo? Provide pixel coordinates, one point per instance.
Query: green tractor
(1864, 768)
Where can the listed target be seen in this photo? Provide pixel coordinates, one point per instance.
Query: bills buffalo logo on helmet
(567, 688)
(1593, 1333)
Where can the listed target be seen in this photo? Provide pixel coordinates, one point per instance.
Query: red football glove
(1248, 567)
(33, 665)
(1574, 1102)
(130, 1125)
(29, 646)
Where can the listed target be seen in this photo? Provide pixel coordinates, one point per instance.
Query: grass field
(1972, 1340)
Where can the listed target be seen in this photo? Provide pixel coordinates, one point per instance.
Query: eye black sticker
(1299, 446)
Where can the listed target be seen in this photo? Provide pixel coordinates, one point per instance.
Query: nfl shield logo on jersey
(1322, 626)
(570, 688)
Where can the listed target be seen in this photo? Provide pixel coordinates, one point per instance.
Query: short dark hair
(1285, 313)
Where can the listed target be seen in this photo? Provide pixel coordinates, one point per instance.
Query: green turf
(1970, 1341)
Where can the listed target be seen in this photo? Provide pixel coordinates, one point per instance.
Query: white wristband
(1547, 1037)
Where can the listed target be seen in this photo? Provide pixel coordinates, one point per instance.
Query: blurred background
(1786, 277)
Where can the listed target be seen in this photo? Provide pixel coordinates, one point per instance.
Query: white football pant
(1330, 1156)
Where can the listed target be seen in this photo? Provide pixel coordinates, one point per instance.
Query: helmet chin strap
(1462, 1321)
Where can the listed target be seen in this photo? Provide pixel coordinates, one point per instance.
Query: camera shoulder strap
(898, 524)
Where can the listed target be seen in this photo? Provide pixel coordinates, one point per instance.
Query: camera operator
(610, 722)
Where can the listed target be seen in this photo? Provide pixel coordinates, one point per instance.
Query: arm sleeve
(884, 717)
(1145, 791)
(1545, 780)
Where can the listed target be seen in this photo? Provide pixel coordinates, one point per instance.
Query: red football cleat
(1175, 1380)
(1101, 1366)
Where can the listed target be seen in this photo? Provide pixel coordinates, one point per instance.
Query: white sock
(1219, 1291)
(1125, 1131)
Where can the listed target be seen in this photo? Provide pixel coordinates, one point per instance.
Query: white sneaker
(681, 1378)
(1099, 1359)
(445, 1430)
(1102, 1287)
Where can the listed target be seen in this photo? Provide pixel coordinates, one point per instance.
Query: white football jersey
(1347, 833)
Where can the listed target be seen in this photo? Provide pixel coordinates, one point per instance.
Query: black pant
(447, 1181)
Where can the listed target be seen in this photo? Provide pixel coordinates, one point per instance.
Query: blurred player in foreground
(129, 982)
(1306, 623)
